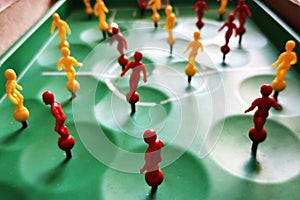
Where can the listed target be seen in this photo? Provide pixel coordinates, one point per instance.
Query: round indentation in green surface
(288, 99)
(235, 58)
(11, 192)
(187, 27)
(43, 165)
(277, 157)
(13, 137)
(149, 112)
(186, 178)
(50, 56)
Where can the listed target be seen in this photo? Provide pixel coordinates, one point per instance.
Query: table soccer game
(151, 99)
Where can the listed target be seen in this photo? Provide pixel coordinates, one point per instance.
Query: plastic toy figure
(199, 8)
(155, 6)
(243, 10)
(62, 28)
(170, 23)
(88, 8)
(137, 66)
(231, 26)
(194, 45)
(284, 62)
(142, 6)
(66, 141)
(154, 176)
(222, 9)
(258, 134)
(101, 10)
(21, 113)
(68, 61)
(122, 44)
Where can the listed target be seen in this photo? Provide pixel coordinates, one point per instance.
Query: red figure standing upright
(65, 141)
(199, 8)
(231, 26)
(154, 176)
(137, 66)
(258, 134)
(122, 44)
(243, 10)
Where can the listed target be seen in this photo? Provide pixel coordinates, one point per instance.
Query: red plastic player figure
(137, 66)
(122, 44)
(199, 8)
(258, 134)
(154, 176)
(142, 6)
(231, 26)
(65, 141)
(243, 10)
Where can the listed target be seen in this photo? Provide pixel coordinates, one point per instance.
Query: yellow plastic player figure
(222, 8)
(88, 8)
(155, 6)
(194, 45)
(284, 62)
(170, 23)
(100, 10)
(68, 61)
(62, 28)
(21, 113)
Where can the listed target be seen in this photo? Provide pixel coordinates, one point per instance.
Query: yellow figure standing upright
(155, 6)
(284, 62)
(222, 8)
(62, 29)
(101, 10)
(68, 61)
(170, 23)
(21, 113)
(88, 8)
(194, 45)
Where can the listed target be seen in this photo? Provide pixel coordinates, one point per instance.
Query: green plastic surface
(207, 149)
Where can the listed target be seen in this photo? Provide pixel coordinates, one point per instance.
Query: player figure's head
(196, 35)
(231, 17)
(150, 136)
(266, 90)
(65, 51)
(10, 74)
(115, 28)
(48, 97)
(138, 56)
(241, 2)
(169, 10)
(290, 45)
(55, 17)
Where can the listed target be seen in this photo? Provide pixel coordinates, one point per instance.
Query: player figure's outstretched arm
(275, 105)
(144, 72)
(75, 62)
(128, 66)
(248, 11)
(253, 105)
(295, 59)
(67, 28)
(105, 9)
(279, 60)
(188, 47)
(52, 27)
(60, 64)
(221, 28)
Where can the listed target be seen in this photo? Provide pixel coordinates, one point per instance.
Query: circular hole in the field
(51, 168)
(233, 151)
(13, 137)
(235, 58)
(288, 99)
(187, 171)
